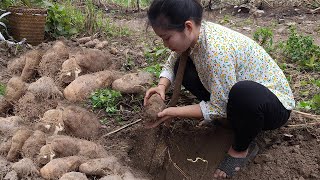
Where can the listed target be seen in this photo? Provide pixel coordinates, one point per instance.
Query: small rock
(291, 23)
(281, 21)
(301, 178)
(111, 177)
(114, 51)
(247, 28)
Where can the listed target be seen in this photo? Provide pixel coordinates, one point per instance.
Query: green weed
(114, 31)
(156, 54)
(2, 89)
(264, 36)
(302, 50)
(154, 69)
(63, 20)
(226, 19)
(106, 99)
(130, 3)
(313, 104)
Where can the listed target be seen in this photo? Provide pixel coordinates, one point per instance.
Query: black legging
(251, 107)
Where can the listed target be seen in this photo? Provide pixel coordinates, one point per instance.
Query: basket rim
(27, 10)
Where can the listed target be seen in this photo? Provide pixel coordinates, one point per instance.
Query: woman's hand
(160, 89)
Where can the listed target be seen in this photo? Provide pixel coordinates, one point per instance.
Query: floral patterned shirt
(223, 57)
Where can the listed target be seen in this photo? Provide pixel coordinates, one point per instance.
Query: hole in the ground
(167, 154)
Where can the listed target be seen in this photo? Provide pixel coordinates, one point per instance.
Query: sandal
(229, 163)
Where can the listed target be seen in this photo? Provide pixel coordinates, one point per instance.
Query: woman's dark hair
(172, 14)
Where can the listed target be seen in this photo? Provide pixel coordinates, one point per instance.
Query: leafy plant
(106, 99)
(264, 36)
(313, 104)
(301, 49)
(27, 3)
(63, 20)
(2, 89)
(156, 54)
(154, 69)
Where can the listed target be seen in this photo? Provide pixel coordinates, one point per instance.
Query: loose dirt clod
(81, 88)
(45, 88)
(52, 60)
(33, 144)
(57, 167)
(154, 105)
(32, 60)
(133, 83)
(74, 176)
(102, 167)
(80, 122)
(15, 89)
(25, 168)
(17, 142)
(93, 60)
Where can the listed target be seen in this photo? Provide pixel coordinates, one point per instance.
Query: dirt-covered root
(93, 60)
(102, 166)
(154, 105)
(16, 66)
(31, 108)
(25, 168)
(5, 147)
(53, 59)
(74, 176)
(106, 166)
(84, 40)
(62, 146)
(33, 144)
(17, 142)
(57, 167)
(70, 71)
(51, 122)
(5, 106)
(45, 88)
(5, 167)
(9, 125)
(32, 60)
(133, 83)
(80, 123)
(111, 177)
(81, 88)
(15, 89)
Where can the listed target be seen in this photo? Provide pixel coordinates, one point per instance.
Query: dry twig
(307, 115)
(123, 127)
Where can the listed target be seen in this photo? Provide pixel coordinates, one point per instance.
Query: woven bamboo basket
(27, 23)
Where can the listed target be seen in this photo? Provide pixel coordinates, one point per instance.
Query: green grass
(2, 89)
(130, 3)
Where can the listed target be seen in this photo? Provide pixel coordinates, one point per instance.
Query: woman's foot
(234, 154)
